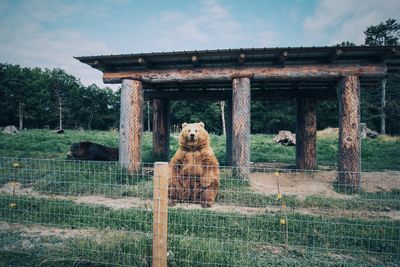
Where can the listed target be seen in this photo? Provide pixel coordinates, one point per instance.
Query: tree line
(40, 98)
(51, 98)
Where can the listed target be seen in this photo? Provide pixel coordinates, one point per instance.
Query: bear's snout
(192, 137)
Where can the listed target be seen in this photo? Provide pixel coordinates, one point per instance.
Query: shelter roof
(279, 57)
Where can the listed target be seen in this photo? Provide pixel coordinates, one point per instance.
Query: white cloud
(36, 33)
(335, 21)
(210, 25)
(27, 40)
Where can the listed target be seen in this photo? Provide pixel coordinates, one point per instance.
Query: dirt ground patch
(304, 184)
(36, 230)
(113, 203)
(291, 183)
(31, 234)
(243, 210)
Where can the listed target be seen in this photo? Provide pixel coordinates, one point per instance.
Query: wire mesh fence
(99, 213)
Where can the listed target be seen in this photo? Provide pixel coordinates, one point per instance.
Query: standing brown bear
(194, 168)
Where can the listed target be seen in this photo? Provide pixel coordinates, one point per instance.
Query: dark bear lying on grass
(92, 151)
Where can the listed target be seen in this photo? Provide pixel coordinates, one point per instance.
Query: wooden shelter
(307, 74)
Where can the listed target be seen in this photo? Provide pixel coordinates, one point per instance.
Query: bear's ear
(201, 124)
(184, 124)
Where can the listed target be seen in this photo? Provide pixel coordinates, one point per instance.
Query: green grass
(109, 179)
(119, 248)
(377, 154)
(75, 177)
(203, 235)
(88, 178)
(335, 233)
(196, 237)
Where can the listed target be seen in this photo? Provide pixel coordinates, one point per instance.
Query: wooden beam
(160, 214)
(283, 57)
(220, 95)
(160, 129)
(195, 60)
(98, 64)
(241, 125)
(389, 53)
(349, 160)
(335, 55)
(265, 84)
(306, 133)
(144, 62)
(328, 71)
(130, 127)
(242, 58)
(299, 84)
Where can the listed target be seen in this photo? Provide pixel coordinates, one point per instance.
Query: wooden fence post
(160, 214)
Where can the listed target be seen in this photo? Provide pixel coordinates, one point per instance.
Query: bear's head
(193, 136)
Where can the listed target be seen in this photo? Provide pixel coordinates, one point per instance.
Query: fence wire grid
(99, 213)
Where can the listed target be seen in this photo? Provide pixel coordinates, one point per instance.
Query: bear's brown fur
(194, 168)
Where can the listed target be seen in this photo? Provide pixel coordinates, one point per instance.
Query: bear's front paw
(206, 205)
(205, 184)
(171, 202)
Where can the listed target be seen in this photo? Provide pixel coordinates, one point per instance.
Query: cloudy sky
(48, 33)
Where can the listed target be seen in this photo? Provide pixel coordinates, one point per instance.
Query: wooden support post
(160, 129)
(383, 107)
(241, 125)
(349, 163)
(130, 127)
(160, 214)
(306, 133)
(21, 117)
(228, 151)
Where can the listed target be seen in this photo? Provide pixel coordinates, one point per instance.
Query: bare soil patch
(37, 230)
(304, 184)
(290, 183)
(32, 233)
(296, 183)
(113, 203)
(243, 210)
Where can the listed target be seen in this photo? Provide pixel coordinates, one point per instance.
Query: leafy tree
(393, 104)
(60, 84)
(270, 116)
(383, 34)
(387, 33)
(195, 111)
(44, 93)
(346, 44)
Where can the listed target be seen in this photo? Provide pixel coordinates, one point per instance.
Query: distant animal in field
(10, 129)
(92, 151)
(194, 168)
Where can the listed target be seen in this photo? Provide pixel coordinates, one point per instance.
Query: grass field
(65, 212)
(381, 153)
